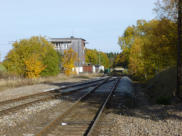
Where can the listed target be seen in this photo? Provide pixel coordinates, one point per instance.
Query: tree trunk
(179, 66)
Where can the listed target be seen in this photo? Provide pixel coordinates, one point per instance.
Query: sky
(99, 22)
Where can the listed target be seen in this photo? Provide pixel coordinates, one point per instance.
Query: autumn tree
(91, 56)
(126, 42)
(104, 60)
(33, 67)
(120, 60)
(95, 57)
(149, 47)
(69, 60)
(18, 58)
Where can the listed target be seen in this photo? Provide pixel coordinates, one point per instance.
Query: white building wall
(78, 70)
(93, 69)
(101, 68)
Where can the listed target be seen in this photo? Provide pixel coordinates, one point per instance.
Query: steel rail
(62, 115)
(74, 85)
(14, 108)
(93, 123)
(45, 93)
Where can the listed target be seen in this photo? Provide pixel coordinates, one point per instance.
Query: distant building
(77, 44)
(92, 68)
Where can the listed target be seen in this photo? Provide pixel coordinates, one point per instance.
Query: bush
(3, 71)
(16, 60)
(2, 68)
(51, 61)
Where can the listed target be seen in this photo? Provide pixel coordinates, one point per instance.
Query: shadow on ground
(64, 83)
(137, 106)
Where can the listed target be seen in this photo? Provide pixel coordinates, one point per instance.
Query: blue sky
(100, 22)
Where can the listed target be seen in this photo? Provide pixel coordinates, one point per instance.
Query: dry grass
(12, 82)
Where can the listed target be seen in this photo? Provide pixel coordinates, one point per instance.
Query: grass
(13, 81)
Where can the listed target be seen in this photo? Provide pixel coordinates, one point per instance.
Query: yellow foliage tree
(33, 67)
(22, 51)
(136, 63)
(69, 59)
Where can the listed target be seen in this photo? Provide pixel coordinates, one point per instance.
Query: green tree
(112, 57)
(95, 57)
(52, 62)
(104, 60)
(35, 46)
(91, 56)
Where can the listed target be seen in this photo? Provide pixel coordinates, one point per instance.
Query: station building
(77, 44)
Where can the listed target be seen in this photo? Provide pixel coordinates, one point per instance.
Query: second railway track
(18, 103)
(81, 118)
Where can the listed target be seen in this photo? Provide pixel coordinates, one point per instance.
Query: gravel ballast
(149, 124)
(143, 119)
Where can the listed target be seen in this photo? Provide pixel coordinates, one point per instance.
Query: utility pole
(179, 64)
(99, 57)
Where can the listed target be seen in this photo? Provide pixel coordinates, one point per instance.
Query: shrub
(2, 68)
(15, 61)
(52, 62)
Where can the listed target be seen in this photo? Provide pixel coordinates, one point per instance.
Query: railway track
(82, 117)
(21, 102)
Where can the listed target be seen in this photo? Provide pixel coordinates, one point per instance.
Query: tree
(149, 47)
(95, 57)
(126, 41)
(121, 60)
(52, 62)
(167, 9)
(91, 56)
(15, 61)
(104, 60)
(69, 60)
(136, 62)
(112, 57)
(179, 63)
(33, 67)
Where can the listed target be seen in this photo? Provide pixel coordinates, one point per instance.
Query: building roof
(63, 39)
